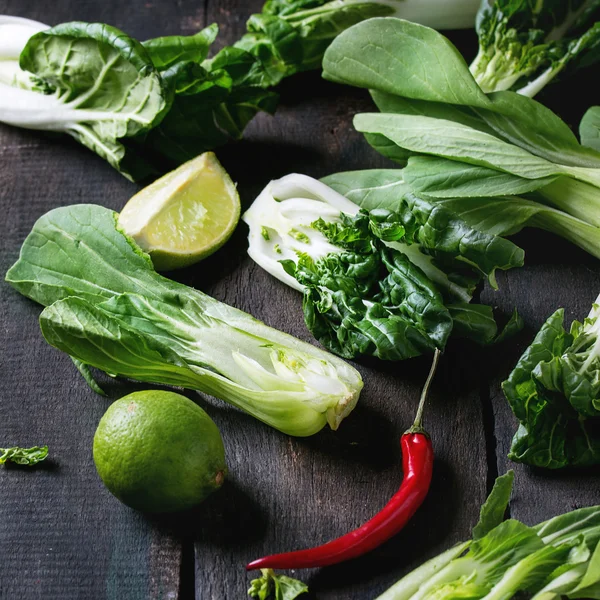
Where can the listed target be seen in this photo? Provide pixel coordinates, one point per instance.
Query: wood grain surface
(63, 536)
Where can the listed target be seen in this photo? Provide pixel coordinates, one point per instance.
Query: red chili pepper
(417, 465)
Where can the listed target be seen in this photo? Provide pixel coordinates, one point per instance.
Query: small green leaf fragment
(23, 456)
(87, 375)
(276, 587)
(299, 236)
(492, 511)
(277, 249)
(265, 233)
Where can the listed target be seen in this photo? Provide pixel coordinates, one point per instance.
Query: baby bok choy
(390, 284)
(554, 391)
(524, 45)
(107, 308)
(88, 80)
(559, 558)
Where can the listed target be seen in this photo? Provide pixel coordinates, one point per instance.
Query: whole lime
(159, 452)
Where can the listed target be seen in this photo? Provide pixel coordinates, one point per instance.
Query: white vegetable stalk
(281, 230)
(14, 35)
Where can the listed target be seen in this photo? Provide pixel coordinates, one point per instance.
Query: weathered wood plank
(62, 535)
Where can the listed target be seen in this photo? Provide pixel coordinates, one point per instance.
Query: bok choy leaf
(108, 308)
(90, 81)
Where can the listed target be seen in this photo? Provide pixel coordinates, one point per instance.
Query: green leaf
(294, 39)
(87, 375)
(23, 456)
(452, 140)
(589, 586)
(108, 308)
(535, 128)
(165, 51)
(441, 233)
(387, 148)
(589, 129)
(515, 118)
(373, 55)
(389, 103)
(370, 189)
(493, 510)
(443, 178)
(476, 322)
(107, 85)
(276, 587)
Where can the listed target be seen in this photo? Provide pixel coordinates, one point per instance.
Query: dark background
(63, 536)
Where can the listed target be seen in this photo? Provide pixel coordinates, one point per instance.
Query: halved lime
(185, 215)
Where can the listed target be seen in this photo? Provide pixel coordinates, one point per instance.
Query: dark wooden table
(63, 536)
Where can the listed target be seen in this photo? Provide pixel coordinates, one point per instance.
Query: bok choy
(524, 45)
(148, 107)
(558, 558)
(107, 308)
(554, 391)
(481, 155)
(390, 284)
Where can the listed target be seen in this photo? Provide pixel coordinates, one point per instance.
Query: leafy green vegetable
(553, 391)
(439, 74)
(470, 151)
(276, 587)
(370, 189)
(589, 129)
(524, 45)
(386, 283)
(492, 511)
(23, 456)
(558, 558)
(146, 108)
(108, 308)
(167, 51)
(455, 141)
(90, 81)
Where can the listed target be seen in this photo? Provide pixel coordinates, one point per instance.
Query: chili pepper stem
(417, 426)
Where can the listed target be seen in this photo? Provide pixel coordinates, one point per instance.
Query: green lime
(159, 452)
(184, 216)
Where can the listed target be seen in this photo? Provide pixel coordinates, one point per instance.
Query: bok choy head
(88, 80)
(390, 284)
(554, 391)
(524, 45)
(108, 308)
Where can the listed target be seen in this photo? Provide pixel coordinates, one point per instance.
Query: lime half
(184, 216)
